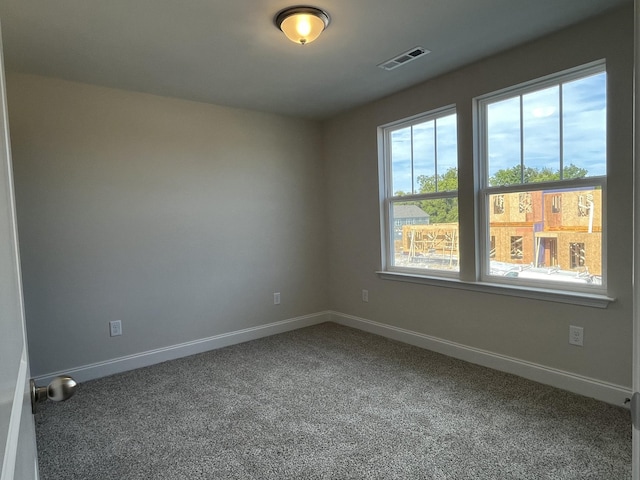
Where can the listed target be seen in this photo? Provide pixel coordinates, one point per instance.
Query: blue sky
(583, 134)
(435, 137)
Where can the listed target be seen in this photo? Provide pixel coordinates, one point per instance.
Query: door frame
(19, 459)
(636, 234)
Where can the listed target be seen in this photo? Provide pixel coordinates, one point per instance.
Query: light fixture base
(302, 24)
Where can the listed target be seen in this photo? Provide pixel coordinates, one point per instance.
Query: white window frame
(485, 191)
(388, 197)
(473, 269)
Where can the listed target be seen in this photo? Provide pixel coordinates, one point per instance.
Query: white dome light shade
(302, 25)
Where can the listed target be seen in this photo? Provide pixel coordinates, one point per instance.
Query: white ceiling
(228, 52)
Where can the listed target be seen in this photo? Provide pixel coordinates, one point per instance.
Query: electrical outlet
(576, 335)
(365, 295)
(115, 328)
(276, 298)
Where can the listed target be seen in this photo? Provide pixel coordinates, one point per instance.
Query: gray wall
(180, 219)
(531, 330)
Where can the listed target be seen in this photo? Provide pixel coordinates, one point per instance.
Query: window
(538, 194)
(421, 199)
(543, 152)
(585, 205)
(577, 255)
(524, 203)
(516, 248)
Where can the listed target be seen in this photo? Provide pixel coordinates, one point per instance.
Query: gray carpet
(328, 402)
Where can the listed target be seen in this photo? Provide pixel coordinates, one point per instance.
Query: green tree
(511, 176)
(446, 182)
(571, 171)
(445, 210)
(402, 193)
(440, 210)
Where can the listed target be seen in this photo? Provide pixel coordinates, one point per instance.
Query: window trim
(594, 300)
(550, 292)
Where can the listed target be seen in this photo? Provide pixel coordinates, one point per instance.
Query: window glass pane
(503, 142)
(447, 153)
(541, 135)
(584, 104)
(551, 235)
(424, 156)
(401, 174)
(425, 234)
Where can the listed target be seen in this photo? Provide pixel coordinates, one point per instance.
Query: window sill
(559, 296)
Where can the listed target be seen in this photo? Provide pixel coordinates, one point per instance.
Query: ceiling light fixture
(301, 24)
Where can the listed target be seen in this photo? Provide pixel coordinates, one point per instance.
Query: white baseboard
(589, 387)
(607, 392)
(151, 357)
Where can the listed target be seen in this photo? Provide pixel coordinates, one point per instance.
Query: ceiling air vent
(404, 58)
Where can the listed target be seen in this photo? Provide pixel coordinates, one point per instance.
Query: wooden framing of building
(439, 239)
(561, 229)
(554, 229)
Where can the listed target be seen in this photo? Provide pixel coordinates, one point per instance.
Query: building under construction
(556, 229)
